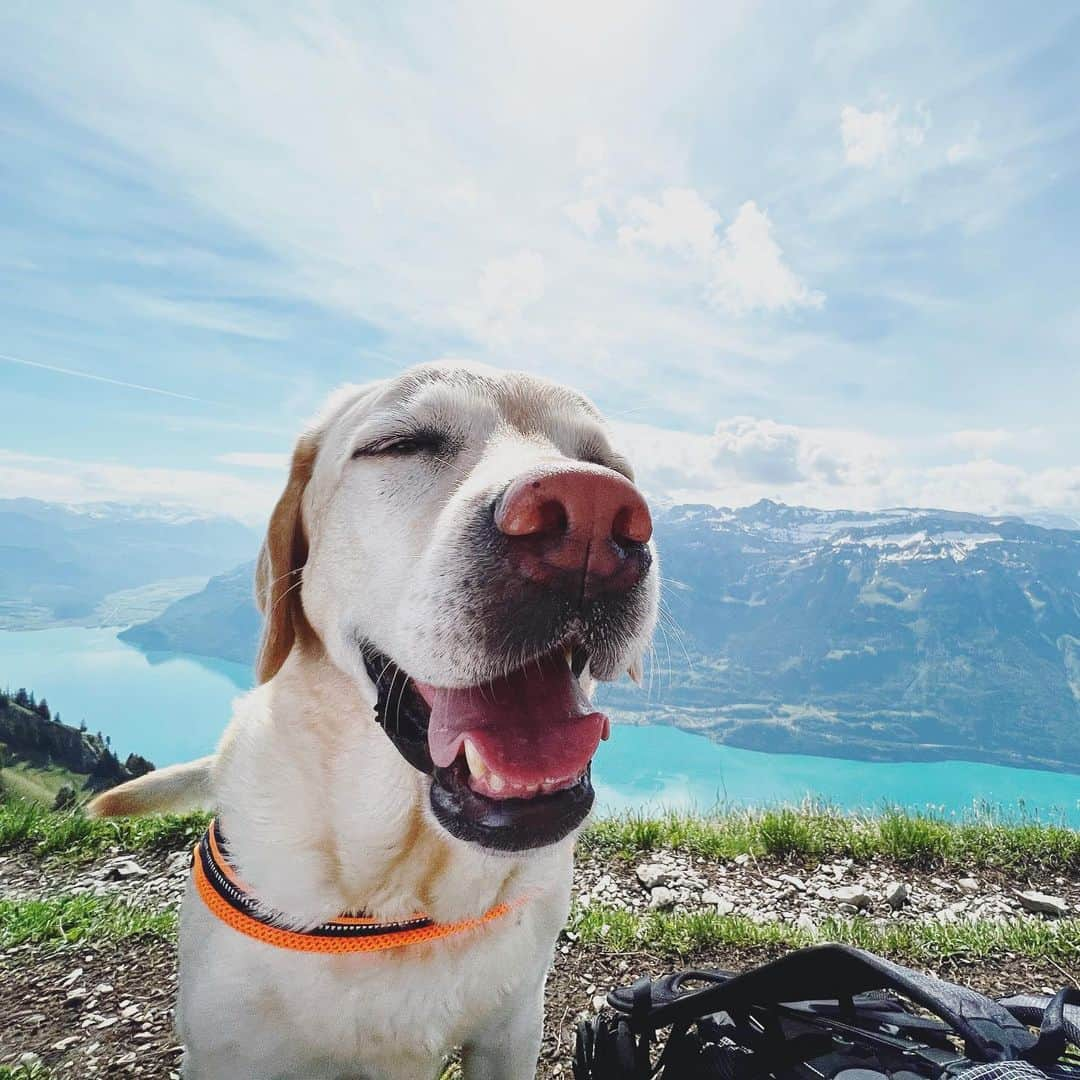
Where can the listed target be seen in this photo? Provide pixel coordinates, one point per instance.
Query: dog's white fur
(321, 812)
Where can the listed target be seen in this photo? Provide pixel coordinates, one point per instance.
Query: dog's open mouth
(509, 760)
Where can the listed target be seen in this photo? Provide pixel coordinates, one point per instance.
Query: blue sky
(824, 253)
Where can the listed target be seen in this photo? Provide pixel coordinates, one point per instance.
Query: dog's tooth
(477, 766)
(495, 782)
(568, 652)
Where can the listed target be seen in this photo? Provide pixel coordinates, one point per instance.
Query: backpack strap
(1056, 1029)
(1032, 1009)
(838, 972)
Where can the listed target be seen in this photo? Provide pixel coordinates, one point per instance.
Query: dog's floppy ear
(280, 567)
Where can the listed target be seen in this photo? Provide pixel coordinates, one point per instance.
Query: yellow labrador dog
(458, 554)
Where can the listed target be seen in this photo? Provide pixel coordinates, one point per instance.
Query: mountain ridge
(218, 621)
(84, 564)
(899, 634)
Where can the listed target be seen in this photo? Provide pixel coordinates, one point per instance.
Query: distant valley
(897, 635)
(106, 564)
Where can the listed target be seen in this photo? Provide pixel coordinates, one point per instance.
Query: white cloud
(506, 288)
(388, 170)
(759, 450)
(750, 273)
(986, 486)
(592, 154)
(869, 137)
(763, 451)
(375, 169)
(585, 214)
(873, 138)
(682, 221)
(748, 458)
(597, 197)
(744, 272)
(63, 480)
(981, 442)
(745, 459)
(464, 194)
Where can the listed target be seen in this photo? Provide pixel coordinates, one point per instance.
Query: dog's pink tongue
(532, 727)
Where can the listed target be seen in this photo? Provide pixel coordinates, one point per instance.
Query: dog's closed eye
(403, 445)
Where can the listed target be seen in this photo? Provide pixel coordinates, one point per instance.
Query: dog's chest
(359, 1008)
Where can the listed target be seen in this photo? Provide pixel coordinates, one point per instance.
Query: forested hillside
(39, 755)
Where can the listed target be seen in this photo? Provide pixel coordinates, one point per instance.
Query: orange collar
(227, 898)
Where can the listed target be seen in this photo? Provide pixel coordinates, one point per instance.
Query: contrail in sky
(106, 379)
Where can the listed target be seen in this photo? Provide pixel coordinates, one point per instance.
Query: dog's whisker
(447, 463)
(281, 577)
(666, 621)
(390, 697)
(401, 696)
(277, 602)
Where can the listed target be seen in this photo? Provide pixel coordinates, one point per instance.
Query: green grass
(684, 936)
(813, 833)
(68, 920)
(39, 783)
(24, 1072)
(30, 826)
(797, 834)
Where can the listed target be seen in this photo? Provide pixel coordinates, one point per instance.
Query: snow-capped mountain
(897, 633)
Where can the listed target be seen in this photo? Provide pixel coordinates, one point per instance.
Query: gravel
(765, 891)
(106, 1010)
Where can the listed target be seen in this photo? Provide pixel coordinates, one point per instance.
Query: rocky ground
(106, 1009)
(805, 896)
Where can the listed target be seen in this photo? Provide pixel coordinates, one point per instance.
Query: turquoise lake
(171, 707)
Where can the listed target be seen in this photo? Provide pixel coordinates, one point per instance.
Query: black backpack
(826, 1013)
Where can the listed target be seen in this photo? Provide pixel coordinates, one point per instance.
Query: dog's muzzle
(492, 782)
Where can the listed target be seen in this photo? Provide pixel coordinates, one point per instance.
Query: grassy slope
(34, 774)
(39, 783)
